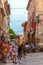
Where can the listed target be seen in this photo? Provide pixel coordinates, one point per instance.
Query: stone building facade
(4, 16)
(35, 9)
(31, 16)
(39, 12)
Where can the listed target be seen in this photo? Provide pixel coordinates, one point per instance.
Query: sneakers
(24, 57)
(4, 62)
(15, 62)
(20, 62)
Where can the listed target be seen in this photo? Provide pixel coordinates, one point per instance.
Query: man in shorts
(20, 53)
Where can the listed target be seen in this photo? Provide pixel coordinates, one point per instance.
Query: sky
(18, 15)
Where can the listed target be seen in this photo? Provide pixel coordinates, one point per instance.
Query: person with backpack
(1, 55)
(5, 50)
(33, 47)
(24, 50)
(20, 51)
(14, 53)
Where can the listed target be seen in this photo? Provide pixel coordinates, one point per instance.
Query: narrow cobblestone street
(21, 32)
(31, 59)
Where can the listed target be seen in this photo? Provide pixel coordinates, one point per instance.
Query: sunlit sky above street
(18, 14)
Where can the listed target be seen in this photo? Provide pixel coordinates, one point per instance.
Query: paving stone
(31, 59)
